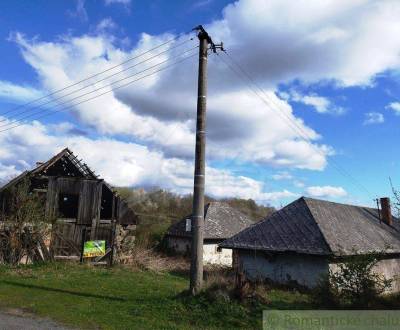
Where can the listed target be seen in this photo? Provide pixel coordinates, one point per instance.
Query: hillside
(158, 209)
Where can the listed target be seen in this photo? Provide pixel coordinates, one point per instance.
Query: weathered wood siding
(66, 239)
(89, 201)
(89, 192)
(52, 198)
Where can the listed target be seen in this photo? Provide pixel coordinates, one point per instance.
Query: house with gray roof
(221, 221)
(309, 237)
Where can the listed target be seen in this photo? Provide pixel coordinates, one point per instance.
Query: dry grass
(149, 259)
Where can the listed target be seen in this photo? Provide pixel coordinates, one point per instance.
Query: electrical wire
(289, 120)
(18, 116)
(95, 75)
(109, 91)
(93, 91)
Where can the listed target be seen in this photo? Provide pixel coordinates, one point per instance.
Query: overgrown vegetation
(158, 209)
(23, 226)
(354, 284)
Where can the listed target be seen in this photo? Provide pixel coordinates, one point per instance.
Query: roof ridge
(309, 209)
(332, 202)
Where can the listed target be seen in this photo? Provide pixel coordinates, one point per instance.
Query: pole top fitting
(202, 34)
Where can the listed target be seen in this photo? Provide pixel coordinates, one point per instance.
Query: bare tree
(396, 195)
(23, 227)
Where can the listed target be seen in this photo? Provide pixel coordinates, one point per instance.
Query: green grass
(120, 298)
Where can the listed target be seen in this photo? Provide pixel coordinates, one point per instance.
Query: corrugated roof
(320, 227)
(221, 221)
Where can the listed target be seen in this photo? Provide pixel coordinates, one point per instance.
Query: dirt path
(19, 320)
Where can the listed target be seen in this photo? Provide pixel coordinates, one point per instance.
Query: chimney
(386, 211)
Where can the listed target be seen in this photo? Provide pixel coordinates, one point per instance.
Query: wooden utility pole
(197, 225)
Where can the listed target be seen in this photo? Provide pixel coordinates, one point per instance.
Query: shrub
(23, 227)
(353, 284)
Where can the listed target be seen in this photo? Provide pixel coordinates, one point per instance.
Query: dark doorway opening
(68, 205)
(106, 203)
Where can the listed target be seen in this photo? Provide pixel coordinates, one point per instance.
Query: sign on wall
(94, 249)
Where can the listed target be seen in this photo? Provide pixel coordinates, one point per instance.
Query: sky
(305, 101)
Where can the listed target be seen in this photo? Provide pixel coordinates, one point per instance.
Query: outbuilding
(81, 205)
(221, 221)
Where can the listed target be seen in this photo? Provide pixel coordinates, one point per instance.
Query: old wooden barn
(82, 205)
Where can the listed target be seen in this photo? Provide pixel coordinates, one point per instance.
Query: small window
(219, 249)
(68, 205)
(188, 225)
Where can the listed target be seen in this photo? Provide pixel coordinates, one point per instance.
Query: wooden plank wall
(67, 234)
(89, 202)
(52, 198)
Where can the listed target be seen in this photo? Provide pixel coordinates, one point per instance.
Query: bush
(23, 227)
(353, 284)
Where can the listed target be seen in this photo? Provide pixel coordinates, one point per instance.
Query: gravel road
(17, 320)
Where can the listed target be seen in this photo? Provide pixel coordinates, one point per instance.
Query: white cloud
(154, 111)
(106, 24)
(277, 41)
(122, 2)
(122, 163)
(320, 103)
(13, 92)
(342, 40)
(395, 106)
(202, 3)
(282, 176)
(80, 11)
(298, 183)
(373, 118)
(325, 191)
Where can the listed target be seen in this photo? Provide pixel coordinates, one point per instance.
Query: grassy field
(120, 298)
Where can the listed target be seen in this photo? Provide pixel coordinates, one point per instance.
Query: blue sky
(334, 73)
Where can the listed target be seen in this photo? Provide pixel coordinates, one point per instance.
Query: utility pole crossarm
(196, 267)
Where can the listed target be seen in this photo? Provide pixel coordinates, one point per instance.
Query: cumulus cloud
(341, 41)
(373, 118)
(158, 112)
(122, 163)
(17, 93)
(395, 106)
(325, 191)
(277, 41)
(321, 104)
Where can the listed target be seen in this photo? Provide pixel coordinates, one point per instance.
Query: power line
(109, 91)
(93, 91)
(299, 130)
(95, 75)
(17, 117)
